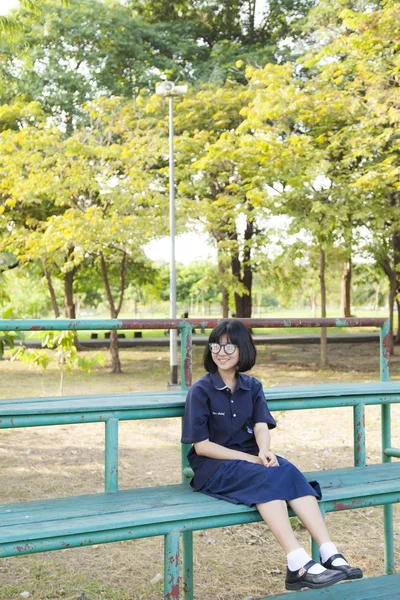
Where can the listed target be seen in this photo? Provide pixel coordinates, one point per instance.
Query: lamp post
(169, 90)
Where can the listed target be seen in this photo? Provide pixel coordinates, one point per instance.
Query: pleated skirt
(242, 482)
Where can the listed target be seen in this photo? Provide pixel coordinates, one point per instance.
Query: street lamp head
(168, 88)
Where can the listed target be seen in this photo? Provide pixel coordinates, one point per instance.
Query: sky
(5, 5)
(188, 248)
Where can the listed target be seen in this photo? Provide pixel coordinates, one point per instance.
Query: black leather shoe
(350, 572)
(295, 580)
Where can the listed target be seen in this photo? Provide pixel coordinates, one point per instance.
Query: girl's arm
(263, 439)
(213, 450)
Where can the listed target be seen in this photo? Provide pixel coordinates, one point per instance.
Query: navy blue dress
(213, 412)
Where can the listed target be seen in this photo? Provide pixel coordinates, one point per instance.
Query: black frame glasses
(216, 348)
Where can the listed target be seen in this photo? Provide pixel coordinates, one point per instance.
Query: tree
(69, 55)
(296, 118)
(247, 23)
(221, 189)
(197, 282)
(102, 192)
(10, 26)
(363, 64)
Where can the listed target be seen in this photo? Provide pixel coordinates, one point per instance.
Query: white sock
(329, 549)
(298, 558)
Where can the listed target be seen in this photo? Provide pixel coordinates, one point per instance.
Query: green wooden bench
(174, 510)
(386, 587)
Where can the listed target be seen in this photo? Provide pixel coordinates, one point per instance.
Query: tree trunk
(392, 298)
(392, 270)
(391, 275)
(70, 311)
(345, 289)
(324, 337)
(397, 339)
(224, 291)
(219, 236)
(252, 21)
(248, 268)
(114, 310)
(53, 297)
(394, 283)
(396, 260)
(235, 266)
(243, 302)
(114, 351)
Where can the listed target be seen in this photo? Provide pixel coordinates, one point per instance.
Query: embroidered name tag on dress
(221, 414)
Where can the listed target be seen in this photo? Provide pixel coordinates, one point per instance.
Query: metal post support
(389, 541)
(388, 508)
(314, 545)
(360, 454)
(111, 456)
(187, 472)
(187, 555)
(186, 382)
(186, 355)
(384, 349)
(392, 452)
(386, 443)
(173, 338)
(171, 565)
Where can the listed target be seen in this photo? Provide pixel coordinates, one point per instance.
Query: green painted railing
(187, 326)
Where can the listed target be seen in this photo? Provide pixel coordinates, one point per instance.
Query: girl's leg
(276, 516)
(307, 509)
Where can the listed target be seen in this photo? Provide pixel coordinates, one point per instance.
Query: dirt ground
(232, 563)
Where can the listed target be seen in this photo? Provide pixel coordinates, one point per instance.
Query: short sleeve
(261, 412)
(197, 412)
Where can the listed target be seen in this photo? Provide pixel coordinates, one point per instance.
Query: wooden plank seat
(158, 404)
(52, 524)
(385, 587)
(175, 511)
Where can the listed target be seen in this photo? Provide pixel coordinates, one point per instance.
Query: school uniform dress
(213, 412)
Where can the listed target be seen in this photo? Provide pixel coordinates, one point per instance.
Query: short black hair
(238, 334)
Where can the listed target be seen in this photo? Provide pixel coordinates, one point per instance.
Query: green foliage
(315, 141)
(27, 293)
(69, 53)
(222, 189)
(11, 26)
(38, 358)
(66, 353)
(72, 54)
(249, 23)
(75, 198)
(197, 280)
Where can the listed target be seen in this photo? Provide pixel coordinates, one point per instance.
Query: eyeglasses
(216, 348)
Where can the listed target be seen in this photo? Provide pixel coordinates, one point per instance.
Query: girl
(227, 421)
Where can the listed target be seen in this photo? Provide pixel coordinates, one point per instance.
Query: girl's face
(226, 362)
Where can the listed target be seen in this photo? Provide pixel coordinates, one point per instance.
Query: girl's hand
(268, 458)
